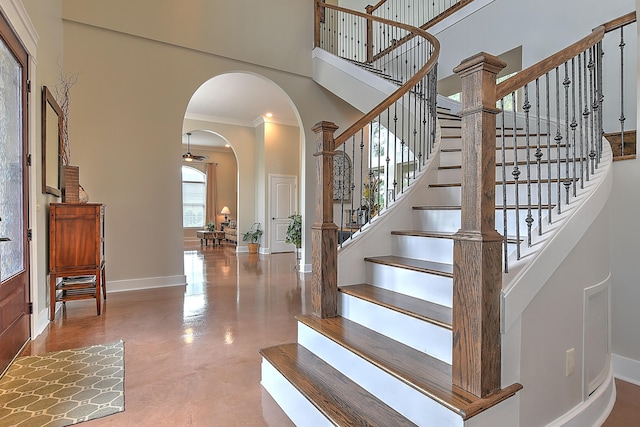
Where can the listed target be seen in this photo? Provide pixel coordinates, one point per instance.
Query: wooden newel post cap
(325, 143)
(480, 60)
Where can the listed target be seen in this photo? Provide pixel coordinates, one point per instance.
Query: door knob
(5, 239)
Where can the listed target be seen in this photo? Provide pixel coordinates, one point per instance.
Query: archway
(262, 127)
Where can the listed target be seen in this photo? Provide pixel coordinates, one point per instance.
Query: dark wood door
(14, 244)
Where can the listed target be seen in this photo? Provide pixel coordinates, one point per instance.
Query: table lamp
(225, 211)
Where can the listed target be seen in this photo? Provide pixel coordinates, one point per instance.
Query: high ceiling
(240, 99)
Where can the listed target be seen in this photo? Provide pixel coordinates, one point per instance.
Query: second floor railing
(378, 157)
(419, 13)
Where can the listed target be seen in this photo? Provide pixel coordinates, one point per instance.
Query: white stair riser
(423, 248)
(425, 286)
(453, 158)
(423, 336)
(454, 140)
(297, 407)
(450, 121)
(450, 196)
(412, 404)
(448, 220)
(445, 176)
(434, 249)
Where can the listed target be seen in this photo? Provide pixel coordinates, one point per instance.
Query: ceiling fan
(188, 157)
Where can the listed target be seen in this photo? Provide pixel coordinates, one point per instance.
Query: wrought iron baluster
(580, 121)
(592, 103)
(526, 107)
(503, 151)
(622, 118)
(538, 155)
(574, 125)
(558, 140)
(567, 179)
(548, 108)
(600, 99)
(516, 175)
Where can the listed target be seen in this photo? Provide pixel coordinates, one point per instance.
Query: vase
(70, 184)
(83, 196)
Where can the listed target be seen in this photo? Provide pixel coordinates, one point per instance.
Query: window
(194, 186)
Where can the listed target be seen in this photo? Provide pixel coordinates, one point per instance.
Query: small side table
(205, 236)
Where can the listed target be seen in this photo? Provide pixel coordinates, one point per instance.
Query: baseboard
(145, 283)
(593, 411)
(626, 369)
(41, 321)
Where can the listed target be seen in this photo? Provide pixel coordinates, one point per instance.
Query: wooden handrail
(614, 24)
(402, 90)
(371, 9)
(541, 68)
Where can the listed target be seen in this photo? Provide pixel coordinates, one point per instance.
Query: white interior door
(283, 202)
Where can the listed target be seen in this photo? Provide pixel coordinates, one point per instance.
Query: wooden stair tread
(420, 309)
(332, 393)
(428, 375)
(431, 267)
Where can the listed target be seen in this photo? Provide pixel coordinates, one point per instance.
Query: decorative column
(477, 254)
(324, 233)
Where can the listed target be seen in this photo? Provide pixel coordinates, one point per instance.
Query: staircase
(386, 360)
(404, 348)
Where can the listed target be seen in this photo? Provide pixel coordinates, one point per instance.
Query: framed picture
(342, 174)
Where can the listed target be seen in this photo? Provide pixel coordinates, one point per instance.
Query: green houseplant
(211, 226)
(294, 230)
(253, 237)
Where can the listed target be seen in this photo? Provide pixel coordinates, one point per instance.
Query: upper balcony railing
(419, 13)
(378, 157)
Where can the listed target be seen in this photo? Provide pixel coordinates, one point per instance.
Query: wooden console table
(205, 236)
(76, 253)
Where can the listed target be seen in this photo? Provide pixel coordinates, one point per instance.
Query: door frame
(17, 16)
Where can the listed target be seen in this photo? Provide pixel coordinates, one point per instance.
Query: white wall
(553, 323)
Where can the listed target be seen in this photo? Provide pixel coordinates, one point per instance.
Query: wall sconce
(225, 211)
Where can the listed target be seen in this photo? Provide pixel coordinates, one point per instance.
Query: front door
(283, 202)
(14, 245)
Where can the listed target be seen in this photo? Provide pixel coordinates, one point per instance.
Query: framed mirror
(51, 143)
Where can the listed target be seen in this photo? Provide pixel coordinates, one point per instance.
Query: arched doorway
(261, 125)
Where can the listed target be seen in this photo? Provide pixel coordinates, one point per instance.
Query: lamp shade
(225, 211)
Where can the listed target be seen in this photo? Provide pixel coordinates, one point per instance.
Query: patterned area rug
(64, 387)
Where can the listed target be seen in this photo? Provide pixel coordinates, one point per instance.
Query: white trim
(21, 23)
(626, 369)
(592, 291)
(145, 283)
(595, 410)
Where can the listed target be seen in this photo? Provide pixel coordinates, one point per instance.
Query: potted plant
(253, 237)
(211, 226)
(294, 233)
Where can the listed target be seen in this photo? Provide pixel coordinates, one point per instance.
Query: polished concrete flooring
(191, 355)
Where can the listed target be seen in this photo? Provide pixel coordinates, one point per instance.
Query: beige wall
(282, 157)
(46, 18)
(130, 104)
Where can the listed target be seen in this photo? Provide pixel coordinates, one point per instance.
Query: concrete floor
(191, 356)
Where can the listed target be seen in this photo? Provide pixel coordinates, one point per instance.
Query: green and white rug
(64, 387)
